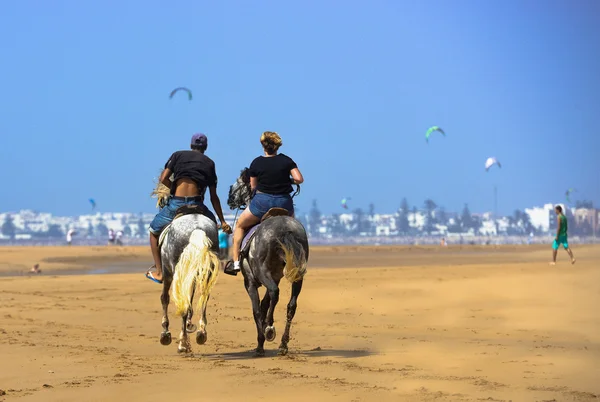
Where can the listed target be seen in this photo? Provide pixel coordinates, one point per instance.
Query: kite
(568, 194)
(345, 202)
(431, 130)
(93, 202)
(181, 89)
(491, 162)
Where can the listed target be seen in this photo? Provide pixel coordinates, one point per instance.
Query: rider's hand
(226, 228)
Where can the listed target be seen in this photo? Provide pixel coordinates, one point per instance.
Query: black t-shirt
(273, 173)
(192, 165)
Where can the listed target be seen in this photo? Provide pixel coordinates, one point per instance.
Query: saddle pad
(165, 231)
(163, 235)
(248, 237)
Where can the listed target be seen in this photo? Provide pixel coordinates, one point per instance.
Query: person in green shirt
(561, 236)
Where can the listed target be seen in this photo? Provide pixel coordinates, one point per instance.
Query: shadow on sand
(317, 352)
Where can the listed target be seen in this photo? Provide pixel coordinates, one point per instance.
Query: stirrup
(229, 268)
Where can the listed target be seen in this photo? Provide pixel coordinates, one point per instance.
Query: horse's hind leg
(184, 340)
(201, 335)
(291, 311)
(165, 336)
(273, 290)
(189, 325)
(254, 298)
(264, 308)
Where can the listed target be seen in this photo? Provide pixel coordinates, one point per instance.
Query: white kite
(491, 162)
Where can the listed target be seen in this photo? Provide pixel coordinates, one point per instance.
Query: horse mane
(240, 192)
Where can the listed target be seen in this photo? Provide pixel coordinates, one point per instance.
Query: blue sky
(350, 86)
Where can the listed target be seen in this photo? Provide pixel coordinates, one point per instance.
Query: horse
(189, 253)
(275, 248)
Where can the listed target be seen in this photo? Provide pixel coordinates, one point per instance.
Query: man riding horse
(193, 172)
(271, 184)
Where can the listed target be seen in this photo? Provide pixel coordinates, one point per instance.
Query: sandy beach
(373, 324)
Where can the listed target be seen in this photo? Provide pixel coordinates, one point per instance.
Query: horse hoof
(259, 353)
(190, 328)
(283, 350)
(183, 349)
(165, 338)
(201, 337)
(270, 333)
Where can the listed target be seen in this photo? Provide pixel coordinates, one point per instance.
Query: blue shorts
(561, 240)
(167, 213)
(261, 203)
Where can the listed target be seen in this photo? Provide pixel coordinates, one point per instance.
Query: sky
(351, 87)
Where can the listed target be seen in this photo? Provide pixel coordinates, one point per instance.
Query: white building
(540, 217)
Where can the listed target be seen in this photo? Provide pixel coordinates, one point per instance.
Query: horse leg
(291, 311)
(202, 336)
(264, 308)
(165, 336)
(254, 298)
(273, 291)
(184, 340)
(189, 325)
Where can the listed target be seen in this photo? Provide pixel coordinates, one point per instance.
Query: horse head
(240, 192)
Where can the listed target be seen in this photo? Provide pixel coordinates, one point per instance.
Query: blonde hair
(271, 141)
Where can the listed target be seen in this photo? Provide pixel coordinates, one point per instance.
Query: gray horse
(190, 261)
(278, 248)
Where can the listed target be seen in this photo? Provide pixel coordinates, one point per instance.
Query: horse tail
(295, 258)
(198, 267)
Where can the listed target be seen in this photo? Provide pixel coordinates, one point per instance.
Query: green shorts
(561, 240)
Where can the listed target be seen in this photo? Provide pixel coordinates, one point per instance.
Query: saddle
(181, 211)
(250, 234)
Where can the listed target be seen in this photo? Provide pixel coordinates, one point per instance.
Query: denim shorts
(167, 213)
(261, 203)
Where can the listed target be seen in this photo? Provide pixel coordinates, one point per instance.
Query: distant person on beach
(111, 237)
(561, 236)
(193, 173)
(223, 245)
(70, 234)
(35, 269)
(119, 238)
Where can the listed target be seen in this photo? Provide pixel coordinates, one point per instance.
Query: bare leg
(291, 311)
(238, 236)
(246, 221)
(554, 253)
(156, 256)
(571, 255)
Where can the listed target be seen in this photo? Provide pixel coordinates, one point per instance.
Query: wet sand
(420, 324)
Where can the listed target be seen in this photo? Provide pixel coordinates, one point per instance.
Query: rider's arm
(216, 203)
(297, 177)
(253, 183)
(165, 177)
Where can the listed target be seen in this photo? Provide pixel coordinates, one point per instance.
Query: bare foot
(573, 261)
(552, 263)
(156, 276)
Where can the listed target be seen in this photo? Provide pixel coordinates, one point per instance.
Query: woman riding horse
(193, 172)
(271, 182)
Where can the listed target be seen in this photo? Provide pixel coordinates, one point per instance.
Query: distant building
(540, 217)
